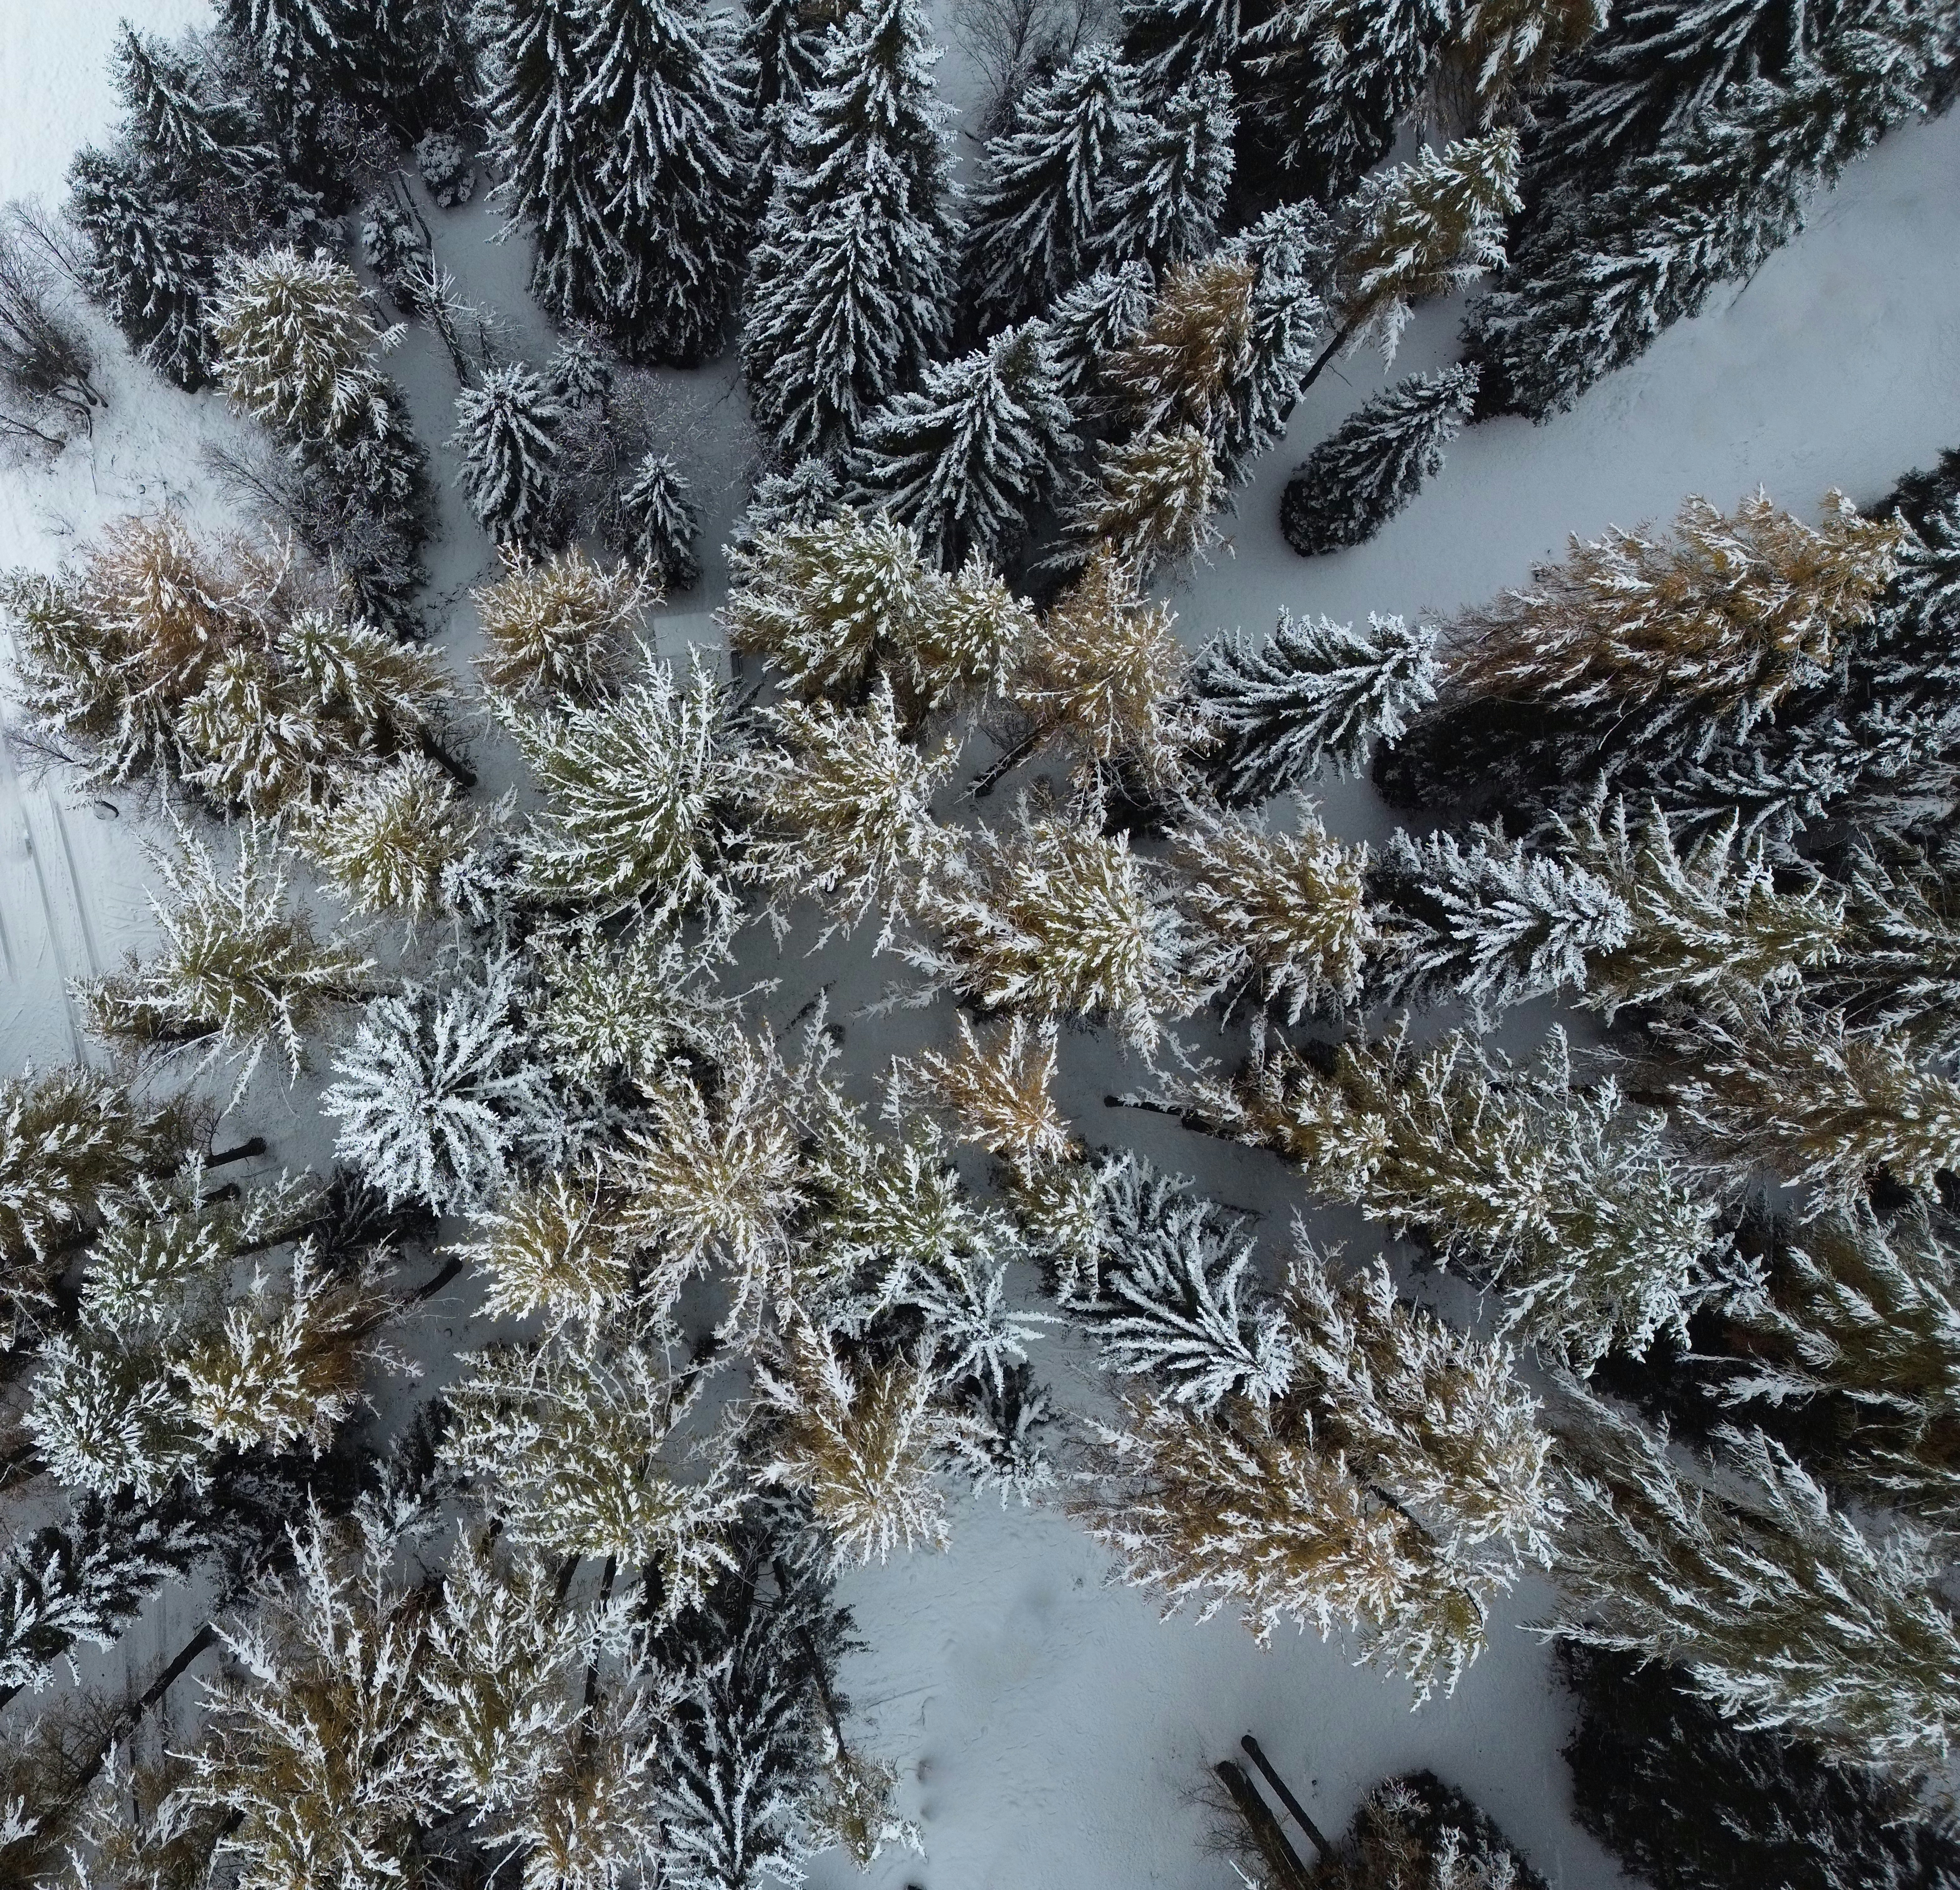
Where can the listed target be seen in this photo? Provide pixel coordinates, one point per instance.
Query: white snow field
(1052, 1734)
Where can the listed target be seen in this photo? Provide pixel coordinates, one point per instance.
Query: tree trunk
(461, 773)
(243, 1152)
(1342, 335)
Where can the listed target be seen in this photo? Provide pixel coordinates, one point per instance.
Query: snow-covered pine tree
(1099, 316)
(1600, 272)
(240, 970)
(1777, 1610)
(506, 432)
(1579, 1213)
(1056, 919)
(1315, 694)
(1042, 209)
(384, 839)
(1375, 462)
(1105, 674)
(1422, 229)
(824, 602)
(295, 342)
(173, 125)
(842, 807)
(1900, 952)
(1190, 362)
(544, 146)
(299, 56)
(1857, 1327)
(965, 459)
(1172, 42)
(1176, 167)
(665, 117)
(1728, 615)
(1491, 921)
(438, 1097)
(1787, 1089)
(1682, 1796)
(1282, 917)
(1291, 250)
(566, 629)
(783, 44)
(660, 523)
(863, 1445)
(633, 789)
(850, 287)
(1357, 1491)
(1332, 79)
(1152, 501)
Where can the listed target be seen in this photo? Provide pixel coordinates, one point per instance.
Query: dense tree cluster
(742, 1313)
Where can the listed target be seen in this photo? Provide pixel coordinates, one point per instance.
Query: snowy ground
(1054, 1733)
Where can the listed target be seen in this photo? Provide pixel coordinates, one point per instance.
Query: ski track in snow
(1053, 1734)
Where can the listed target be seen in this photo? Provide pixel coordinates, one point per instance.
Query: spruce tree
(1335, 78)
(1315, 693)
(1041, 211)
(1571, 1201)
(965, 459)
(1375, 462)
(297, 50)
(1092, 321)
(661, 524)
(506, 432)
(1683, 1797)
(850, 286)
(1291, 249)
(783, 45)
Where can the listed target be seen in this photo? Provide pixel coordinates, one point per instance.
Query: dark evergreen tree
(1177, 168)
(1170, 43)
(506, 431)
(1597, 273)
(1688, 1800)
(670, 127)
(297, 52)
(850, 287)
(660, 523)
(1291, 249)
(967, 457)
(175, 128)
(1375, 462)
(1333, 79)
(1090, 323)
(783, 43)
(1042, 209)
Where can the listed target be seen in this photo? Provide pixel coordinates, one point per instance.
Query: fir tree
(240, 970)
(1336, 77)
(1682, 1797)
(1315, 692)
(1599, 274)
(966, 458)
(297, 49)
(1375, 462)
(783, 41)
(632, 788)
(670, 126)
(562, 630)
(850, 287)
(173, 125)
(1416, 1833)
(661, 524)
(506, 432)
(1290, 249)
(1581, 1214)
(1283, 916)
(1176, 170)
(1041, 210)
(438, 1098)
(1779, 1613)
